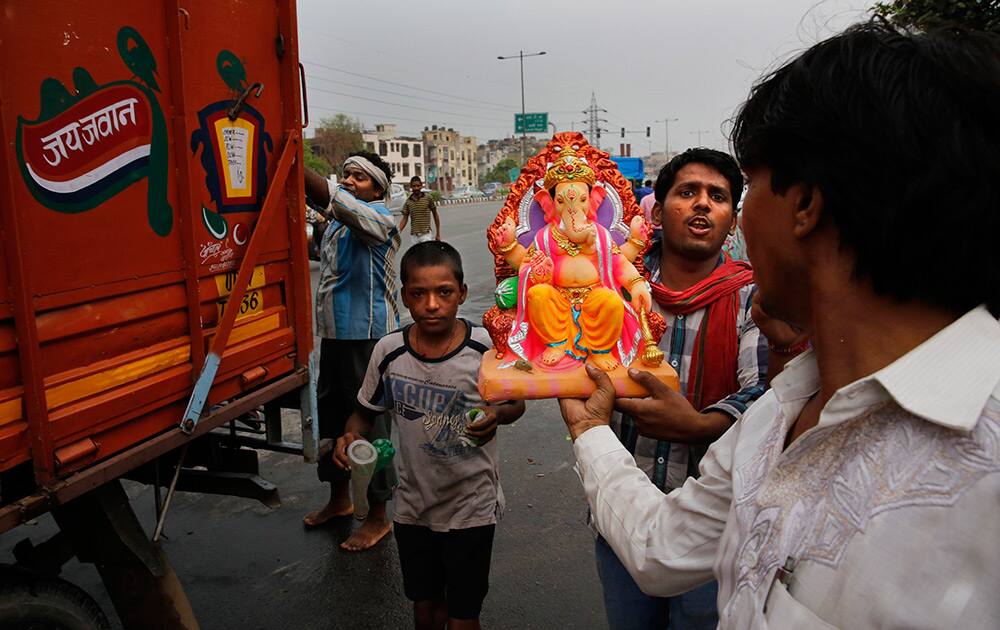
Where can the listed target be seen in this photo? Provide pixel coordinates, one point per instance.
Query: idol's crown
(569, 167)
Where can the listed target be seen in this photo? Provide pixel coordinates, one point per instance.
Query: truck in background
(154, 282)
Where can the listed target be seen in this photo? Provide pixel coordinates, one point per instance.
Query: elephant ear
(545, 202)
(597, 194)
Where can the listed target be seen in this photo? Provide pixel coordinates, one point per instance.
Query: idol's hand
(638, 228)
(641, 299)
(591, 231)
(541, 267)
(507, 232)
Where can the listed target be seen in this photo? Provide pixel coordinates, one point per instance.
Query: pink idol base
(500, 380)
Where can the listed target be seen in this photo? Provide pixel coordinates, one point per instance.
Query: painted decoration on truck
(88, 145)
(234, 148)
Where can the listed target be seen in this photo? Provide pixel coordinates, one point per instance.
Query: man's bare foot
(606, 362)
(551, 356)
(370, 532)
(330, 510)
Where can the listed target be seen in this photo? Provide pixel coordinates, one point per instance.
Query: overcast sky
(644, 60)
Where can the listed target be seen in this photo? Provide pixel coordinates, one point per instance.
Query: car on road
(397, 198)
(493, 188)
(467, 192)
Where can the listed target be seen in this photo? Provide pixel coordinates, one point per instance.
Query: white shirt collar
(949, 378)
(946, 380)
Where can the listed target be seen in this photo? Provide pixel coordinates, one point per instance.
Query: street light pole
(699, 132)
(666, 134)
(520, 56)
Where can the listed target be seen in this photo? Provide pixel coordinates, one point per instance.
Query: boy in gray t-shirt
(449, 494)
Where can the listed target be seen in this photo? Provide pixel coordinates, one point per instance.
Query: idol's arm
(507, 245)
(637, 239)
(628, 277)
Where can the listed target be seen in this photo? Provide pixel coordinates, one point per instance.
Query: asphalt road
(245, 566)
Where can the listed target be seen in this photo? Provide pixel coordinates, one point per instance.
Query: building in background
(450, 159)
(403, 154)
(495, 151)
(654, 162)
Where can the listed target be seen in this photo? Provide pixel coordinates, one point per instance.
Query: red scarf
(716, 346)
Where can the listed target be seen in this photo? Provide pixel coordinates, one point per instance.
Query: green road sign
(531, 123)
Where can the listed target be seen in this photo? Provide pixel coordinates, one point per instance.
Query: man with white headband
(356, 304)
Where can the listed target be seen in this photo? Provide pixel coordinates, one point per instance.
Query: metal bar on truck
(187, 207)
(272, 202)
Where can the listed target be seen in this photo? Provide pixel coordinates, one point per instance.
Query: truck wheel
(30, 602)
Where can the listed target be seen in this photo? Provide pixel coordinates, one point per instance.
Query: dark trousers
(628, 608)
(342, 367)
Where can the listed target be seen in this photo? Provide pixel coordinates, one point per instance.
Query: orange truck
(154, 280)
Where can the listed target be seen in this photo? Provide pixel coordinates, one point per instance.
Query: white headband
(373, 171)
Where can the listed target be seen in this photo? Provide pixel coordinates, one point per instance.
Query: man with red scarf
(717, 350)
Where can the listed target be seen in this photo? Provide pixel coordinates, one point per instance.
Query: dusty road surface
(247, 567)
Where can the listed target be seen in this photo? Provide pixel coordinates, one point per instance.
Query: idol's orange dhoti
(589, 318)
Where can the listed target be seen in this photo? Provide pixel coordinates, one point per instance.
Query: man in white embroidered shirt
(861, 491)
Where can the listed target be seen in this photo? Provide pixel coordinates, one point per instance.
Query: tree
(314, 161)
(499, 172)
(923, 15)
(336, 138)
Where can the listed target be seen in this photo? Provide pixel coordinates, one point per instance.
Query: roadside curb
(456, 202)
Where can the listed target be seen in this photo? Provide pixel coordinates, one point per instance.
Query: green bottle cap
(386, 451)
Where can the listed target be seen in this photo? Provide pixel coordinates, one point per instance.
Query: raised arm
(512, 251)
(372, 223)
(638, 235)
(317, 188)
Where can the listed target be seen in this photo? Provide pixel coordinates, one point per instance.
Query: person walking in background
(418, 210)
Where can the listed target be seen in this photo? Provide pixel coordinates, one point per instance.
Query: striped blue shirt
(668, 464)
(357, 297)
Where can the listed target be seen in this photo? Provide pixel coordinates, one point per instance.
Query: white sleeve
(668, 543)
(373, 394)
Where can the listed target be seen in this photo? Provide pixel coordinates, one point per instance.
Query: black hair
(416, 178)
(722, 162)
(648, 183)
(898, 132)
(429, 254)
(379, 164)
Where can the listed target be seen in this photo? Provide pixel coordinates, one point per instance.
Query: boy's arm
(372, 400)
(485, 428)
(358, 426)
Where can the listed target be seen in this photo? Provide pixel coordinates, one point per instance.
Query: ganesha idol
(571, 292)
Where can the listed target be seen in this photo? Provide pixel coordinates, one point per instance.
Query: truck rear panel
(140, 143)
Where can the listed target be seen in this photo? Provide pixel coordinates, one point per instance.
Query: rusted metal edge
(86, 480)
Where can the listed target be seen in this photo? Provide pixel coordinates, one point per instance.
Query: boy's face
(432, 294)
